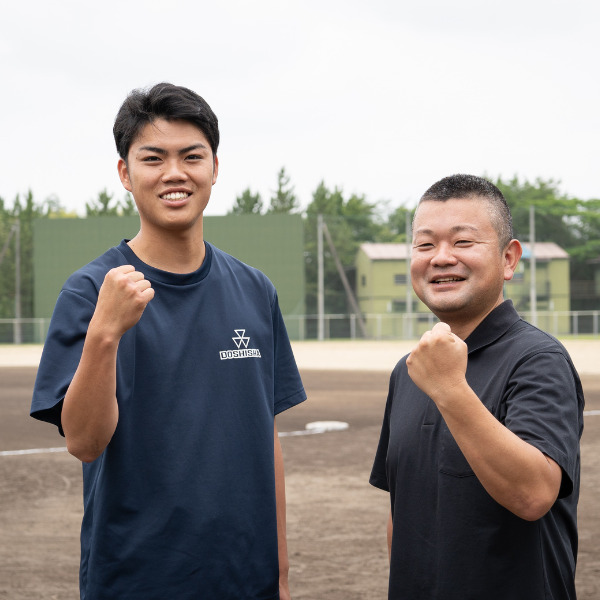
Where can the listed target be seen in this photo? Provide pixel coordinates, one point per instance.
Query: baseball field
(336, 520)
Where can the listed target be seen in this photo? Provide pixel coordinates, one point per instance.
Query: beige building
(391, 308)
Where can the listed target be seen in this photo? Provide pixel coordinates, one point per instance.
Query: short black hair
(462, 186)
(163, 101)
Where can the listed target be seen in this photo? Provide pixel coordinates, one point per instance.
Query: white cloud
(381, 98)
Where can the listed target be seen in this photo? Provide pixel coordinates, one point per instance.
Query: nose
(443, 255)
(173, 171)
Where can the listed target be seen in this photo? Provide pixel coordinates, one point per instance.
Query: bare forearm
(281, 517)
(390, 531)
(90, 411)
(516, 474)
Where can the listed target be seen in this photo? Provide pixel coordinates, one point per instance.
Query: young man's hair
(472, 187)
(163, 101)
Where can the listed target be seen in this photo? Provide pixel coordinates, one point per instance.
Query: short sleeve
(379, 478)
(61, 355)
(544, 407)
(289, 390)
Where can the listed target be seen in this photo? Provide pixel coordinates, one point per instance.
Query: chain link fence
(400, 326)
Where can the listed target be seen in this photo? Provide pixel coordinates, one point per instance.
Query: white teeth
(175, 196)
(447, 279)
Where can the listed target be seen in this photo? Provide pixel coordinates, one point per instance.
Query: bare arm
(516, 474)
(390, 529)
(90, 412)
(284, 565)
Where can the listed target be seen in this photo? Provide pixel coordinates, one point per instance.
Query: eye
(423, 246)
(193, 157)
(151, 159)
(464, 242)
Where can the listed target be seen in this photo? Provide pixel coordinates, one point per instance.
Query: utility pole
(349, 293)
(532, 274)
(320, 281)
(409, 298)
(16, 231)
(17, 337)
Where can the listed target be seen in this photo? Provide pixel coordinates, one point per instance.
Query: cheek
(417, 267)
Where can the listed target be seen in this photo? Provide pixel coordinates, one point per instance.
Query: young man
(182, 467)
(479, 447)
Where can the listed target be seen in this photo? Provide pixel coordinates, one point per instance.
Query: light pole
(532, 274)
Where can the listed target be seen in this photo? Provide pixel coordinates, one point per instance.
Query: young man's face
(170, 171)
(457, 266)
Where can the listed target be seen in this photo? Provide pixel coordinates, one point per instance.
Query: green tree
(101, 206)
(572, 223)
(23, 212)
(553, 210)
(247, 204)
(284, 200)
(394, 229)
(127, 207)
(586, 249)
(7, 261)
(350, 222)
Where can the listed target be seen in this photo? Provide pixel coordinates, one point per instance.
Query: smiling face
(170, 171)
(457, 266)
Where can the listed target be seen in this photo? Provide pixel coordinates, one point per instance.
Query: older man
(479, 447)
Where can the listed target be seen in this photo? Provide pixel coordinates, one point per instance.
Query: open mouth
(447, 280)
(175, 196)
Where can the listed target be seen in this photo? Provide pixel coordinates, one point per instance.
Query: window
(399, 306)
(399, 279)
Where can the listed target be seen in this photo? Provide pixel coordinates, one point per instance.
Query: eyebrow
(455, 229)
(163, 152)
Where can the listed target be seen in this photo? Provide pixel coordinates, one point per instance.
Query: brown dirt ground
(336, 521)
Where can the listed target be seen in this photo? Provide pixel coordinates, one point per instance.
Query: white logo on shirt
(241, 340)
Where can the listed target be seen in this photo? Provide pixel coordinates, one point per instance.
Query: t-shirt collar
(154, 274)
(494, 326)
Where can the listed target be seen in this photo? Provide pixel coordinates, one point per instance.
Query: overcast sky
(381, 98)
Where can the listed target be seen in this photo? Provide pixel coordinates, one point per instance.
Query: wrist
(451, 395)
(102, 336)
(284, 570)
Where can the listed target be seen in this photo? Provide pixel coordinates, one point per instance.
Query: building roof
(385, 251)
(543, 251)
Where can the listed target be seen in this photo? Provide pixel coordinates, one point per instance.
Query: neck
(173, 251)
(460, 329)
(464, 327)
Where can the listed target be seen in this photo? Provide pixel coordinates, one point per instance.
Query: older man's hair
(472, 187)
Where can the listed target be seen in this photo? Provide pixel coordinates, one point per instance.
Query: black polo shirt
(451, 540)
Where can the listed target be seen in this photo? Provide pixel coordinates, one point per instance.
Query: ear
(215, 170)
(124, 175)
(511, 255)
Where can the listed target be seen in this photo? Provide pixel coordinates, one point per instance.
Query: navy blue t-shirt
(181, 504)
(451, 540)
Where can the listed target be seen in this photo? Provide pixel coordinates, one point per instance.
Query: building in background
(391, 309)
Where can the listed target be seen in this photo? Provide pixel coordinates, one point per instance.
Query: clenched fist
(123, 296)
(438, 362)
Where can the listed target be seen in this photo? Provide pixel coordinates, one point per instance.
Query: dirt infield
(336, 521)
(340, 355)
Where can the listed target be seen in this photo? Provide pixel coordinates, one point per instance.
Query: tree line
(22, 213)
(572, 223)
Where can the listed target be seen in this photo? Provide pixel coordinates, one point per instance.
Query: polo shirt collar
(494, 326)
